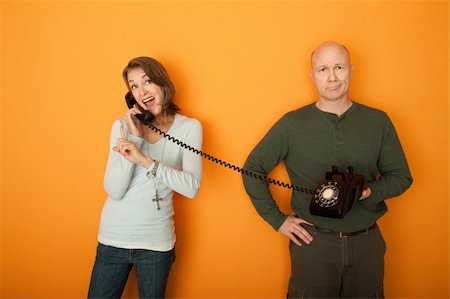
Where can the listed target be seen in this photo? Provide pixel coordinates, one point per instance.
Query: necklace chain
(157, 199)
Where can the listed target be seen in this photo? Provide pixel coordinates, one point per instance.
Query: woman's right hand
(134, 125)
(130, 152)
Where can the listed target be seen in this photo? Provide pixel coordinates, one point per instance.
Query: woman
(143, 172)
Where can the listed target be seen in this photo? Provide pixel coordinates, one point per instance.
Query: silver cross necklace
(155, 181)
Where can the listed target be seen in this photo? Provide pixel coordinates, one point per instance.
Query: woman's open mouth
(149, 102)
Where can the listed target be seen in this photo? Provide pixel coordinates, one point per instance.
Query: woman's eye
(133, 87)
(148, 81)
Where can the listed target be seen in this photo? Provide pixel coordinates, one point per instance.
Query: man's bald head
(331, 71)
(326, 46)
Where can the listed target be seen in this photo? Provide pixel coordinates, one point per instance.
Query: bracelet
(152, 173)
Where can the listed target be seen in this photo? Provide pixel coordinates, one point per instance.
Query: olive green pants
(333, 266)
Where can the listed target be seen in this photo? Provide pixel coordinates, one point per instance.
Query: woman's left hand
(130, 152)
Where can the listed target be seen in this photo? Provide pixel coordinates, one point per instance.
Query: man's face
(331, 72)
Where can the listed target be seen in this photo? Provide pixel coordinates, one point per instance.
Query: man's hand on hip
(294, 231)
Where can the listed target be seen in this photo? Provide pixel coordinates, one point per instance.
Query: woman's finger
(122, 132)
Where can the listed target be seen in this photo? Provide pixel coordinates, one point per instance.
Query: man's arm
(393, 167)
(267, 154)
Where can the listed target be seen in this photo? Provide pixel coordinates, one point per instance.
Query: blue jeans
(113, 265)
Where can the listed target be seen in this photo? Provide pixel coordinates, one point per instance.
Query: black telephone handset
(335, 195)
(145, 117)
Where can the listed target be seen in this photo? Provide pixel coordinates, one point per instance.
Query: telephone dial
(337, 193)
(334, 196)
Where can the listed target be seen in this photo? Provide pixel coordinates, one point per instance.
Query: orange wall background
(238, 67)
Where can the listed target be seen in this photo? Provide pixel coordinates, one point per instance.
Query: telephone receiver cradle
(335, 195)
(333, 198)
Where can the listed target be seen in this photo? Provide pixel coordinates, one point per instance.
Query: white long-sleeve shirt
(130, 218)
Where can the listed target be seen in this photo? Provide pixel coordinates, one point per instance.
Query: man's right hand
(294, 231)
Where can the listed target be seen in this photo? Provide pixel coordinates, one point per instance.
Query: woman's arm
(118, 169)
(186, 181)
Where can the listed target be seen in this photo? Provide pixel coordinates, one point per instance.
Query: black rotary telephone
(335, 195)
(333, 198)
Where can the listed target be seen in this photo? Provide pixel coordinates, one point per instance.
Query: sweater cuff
(374, 197)
(278, 222)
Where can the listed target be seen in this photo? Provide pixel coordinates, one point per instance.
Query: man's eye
(322, 69)
(339, 67)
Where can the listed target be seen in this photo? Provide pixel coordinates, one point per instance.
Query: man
(331, 257)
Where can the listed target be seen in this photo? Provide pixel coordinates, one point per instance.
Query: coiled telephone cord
(228, 165)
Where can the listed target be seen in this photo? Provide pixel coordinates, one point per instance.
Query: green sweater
(309, 141)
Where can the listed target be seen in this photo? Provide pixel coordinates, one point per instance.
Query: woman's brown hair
(158, 75)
